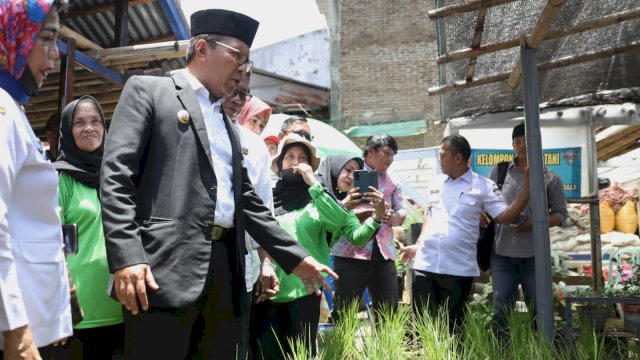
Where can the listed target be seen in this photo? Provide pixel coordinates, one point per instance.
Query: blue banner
(565, 162)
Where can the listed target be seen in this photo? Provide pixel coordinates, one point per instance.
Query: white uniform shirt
(453, 219)
(258, 164)
(34, 289)
(220, 146)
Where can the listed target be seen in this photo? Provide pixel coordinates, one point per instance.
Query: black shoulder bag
(487, 235)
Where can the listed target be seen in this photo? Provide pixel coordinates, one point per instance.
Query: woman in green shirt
(312, 216)
(82, 130)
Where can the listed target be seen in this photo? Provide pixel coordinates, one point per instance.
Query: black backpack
(485, 239)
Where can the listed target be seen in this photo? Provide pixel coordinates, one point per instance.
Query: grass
(401, 335)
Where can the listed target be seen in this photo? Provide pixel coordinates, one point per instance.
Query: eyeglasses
(236, 56)
(302, 133)
(242, 94)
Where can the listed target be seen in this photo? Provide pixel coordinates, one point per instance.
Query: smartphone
(70, 238)
(365, 178)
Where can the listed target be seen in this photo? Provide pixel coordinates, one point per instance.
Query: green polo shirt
(310, 226)
(79, 204)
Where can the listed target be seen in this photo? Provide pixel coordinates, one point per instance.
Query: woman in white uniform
(34, 290)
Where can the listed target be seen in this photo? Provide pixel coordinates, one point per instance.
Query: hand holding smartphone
(365, 178)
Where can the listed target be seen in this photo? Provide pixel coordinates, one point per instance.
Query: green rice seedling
(479, 342)
(524, 341)
(434, 339)
(300, 350)
(340, 342)
(388, 339)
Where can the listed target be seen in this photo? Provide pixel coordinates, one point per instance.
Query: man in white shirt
(445, 254)
(258, 164)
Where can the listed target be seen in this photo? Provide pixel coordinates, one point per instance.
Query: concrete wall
(382, 62)
(304, 58)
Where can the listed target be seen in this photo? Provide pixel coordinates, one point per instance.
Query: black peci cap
(224, 22)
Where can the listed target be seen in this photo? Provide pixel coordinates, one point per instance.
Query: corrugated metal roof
(146, 22)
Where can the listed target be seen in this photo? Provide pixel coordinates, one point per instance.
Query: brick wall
(383, 61)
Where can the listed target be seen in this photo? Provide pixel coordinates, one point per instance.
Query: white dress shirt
(34, 289)
(453, 218)
(258, 164)
(221, 154)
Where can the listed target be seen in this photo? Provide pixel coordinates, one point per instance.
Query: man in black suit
(176, 202)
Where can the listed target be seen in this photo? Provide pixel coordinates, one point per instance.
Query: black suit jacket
(158, 191)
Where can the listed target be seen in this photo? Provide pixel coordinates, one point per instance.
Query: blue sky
(279, 19)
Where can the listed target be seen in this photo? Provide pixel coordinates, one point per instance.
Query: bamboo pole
(459, 85)
(124, 52)
(458, 9)
(81, 41)
(549, 14)
(552, 34)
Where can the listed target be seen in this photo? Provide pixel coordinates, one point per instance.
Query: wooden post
(122, 23)
(67, 67)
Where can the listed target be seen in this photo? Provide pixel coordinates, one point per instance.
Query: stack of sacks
(618, 209)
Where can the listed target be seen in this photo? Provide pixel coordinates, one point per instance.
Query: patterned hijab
(20, 23)
(253, 107)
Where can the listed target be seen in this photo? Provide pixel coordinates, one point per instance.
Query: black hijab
(291, 191)
(81, 165)
(330, 169)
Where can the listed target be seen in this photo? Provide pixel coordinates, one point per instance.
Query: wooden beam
(96, 9)
(571, 60)
(104, 100)
(67, 67)
(458, 9)
(552, 34)
(41, 119)
(163, 38)
(548, 16)
(463, 84)
(617, 149)
(619, 136)
(77, 83)
(81, 41)
(600, 129)
(475, 43)
(139, 50)
(122, 23)
(44, 97)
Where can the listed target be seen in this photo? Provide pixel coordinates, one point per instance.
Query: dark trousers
(245, 320)
(379, 276)
(48, 352)
(207, 329)
(506, 274)
(100, 343)
(433, 291)
(104, 342)
(273, 325)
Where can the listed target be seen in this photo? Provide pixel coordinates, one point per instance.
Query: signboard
(565, 162)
